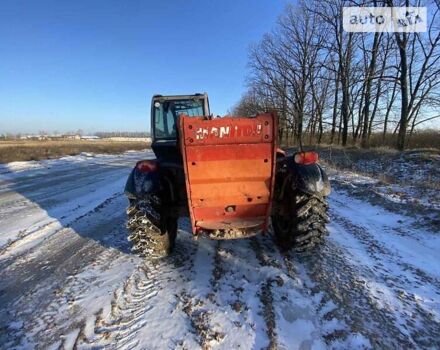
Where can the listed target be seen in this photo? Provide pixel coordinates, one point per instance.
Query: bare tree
(416, 78)
(321, 79)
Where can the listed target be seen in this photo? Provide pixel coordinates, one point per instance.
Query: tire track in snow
(46, 230)
(265, 293)
(379, 252)
(34, 284)
(196, 297)
(331, 272)
(29, 234)
(294, 316)
(116, 327)
(234, 304)
(138, 299)
(61, 190)
(128, 308)
(222, 298)
(419, 324)
(73, 291)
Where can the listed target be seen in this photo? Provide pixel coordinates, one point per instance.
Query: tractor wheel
(302, 225)
(152, 234)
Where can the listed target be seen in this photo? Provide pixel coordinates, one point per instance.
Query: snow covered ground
(68, 279)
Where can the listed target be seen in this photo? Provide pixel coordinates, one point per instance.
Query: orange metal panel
(218, 212)
(232, 224)
(228, 130)
(224, 170)
(248, 190)
(229, 167)
(237, 200)
(230, 152)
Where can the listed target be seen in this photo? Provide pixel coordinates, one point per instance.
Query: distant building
(71, 137)
(130, 139)
(90, 138)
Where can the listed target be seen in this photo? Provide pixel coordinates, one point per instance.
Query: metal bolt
(230, 209)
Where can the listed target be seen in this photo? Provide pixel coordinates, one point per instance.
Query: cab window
(166, 113)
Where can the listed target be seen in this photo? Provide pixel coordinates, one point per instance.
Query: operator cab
(165, 111)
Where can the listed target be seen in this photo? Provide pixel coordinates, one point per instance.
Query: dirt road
(68, 278)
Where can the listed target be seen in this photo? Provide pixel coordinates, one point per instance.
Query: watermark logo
(384, 19)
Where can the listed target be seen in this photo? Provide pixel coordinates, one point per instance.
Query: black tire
(151, 232)
(303, 224)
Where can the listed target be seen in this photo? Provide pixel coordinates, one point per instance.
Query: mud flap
(310, 179)
(139, 184)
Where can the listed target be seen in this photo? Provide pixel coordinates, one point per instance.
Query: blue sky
(94, 65)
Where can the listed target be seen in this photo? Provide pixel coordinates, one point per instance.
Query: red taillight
(306, 158)
(147, 166)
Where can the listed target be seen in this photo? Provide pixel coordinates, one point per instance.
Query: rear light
(147, 166)
(306, 158)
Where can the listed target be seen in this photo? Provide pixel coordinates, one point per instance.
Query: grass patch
(421, 139)
(11, 151)
(416, 167)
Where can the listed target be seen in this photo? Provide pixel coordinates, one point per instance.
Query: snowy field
(69, 281)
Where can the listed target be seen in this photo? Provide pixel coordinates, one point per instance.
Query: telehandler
(227, 175)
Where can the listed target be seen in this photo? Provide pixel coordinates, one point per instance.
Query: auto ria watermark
(384, 19)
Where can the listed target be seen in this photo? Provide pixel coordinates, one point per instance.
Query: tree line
(139, 134)
(322, 80)
(79, 132)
